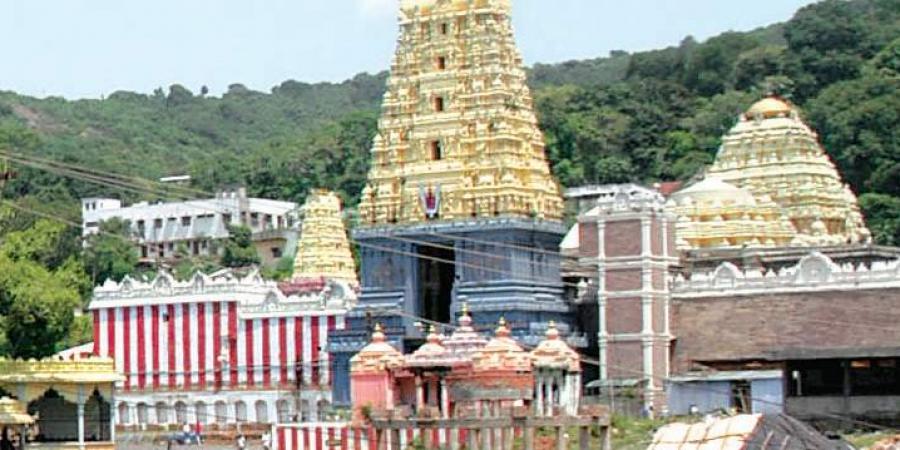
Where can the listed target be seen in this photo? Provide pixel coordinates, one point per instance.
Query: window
(162, 413)
(186, 221)
(226, 218)
(439, 104)
(140, 226)
(441, 62)
(437, 152)
(240, 411)
(262, 411)
(445, 29)
(276, 252)
(157, 223)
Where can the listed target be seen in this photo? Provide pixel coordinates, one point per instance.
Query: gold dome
(770, 107)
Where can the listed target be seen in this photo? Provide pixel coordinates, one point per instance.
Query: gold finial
(432, 329)
(552, 325)
(502, 321)
(379, 328)
(465, 309)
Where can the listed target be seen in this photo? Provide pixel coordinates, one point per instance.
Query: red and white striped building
(218, 348)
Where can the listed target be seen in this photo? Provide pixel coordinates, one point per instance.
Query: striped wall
(208, 345)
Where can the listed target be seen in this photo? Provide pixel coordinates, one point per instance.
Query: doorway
(435, 283)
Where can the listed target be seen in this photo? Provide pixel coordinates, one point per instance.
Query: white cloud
(378, 7)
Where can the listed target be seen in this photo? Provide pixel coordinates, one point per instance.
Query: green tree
(883, 217)
(36, 301)
(110, 254)
(239, 250)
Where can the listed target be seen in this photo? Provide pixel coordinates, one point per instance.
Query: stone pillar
(80, 408)
(420, 394)
(445, 400)
(539, 389)
(486, 434)
(113, 411)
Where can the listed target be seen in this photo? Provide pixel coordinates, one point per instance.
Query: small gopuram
(61, 404)
(772, 153)
(460, 204)
(465, 391)
(323, 252)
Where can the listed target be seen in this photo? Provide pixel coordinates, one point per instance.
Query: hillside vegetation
(642, 117)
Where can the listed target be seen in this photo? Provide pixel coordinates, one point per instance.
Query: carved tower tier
(460, 205)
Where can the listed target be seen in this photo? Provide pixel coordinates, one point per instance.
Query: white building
(218, 349)
(160, 228)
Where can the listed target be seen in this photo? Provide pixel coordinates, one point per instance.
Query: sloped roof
(743, 432)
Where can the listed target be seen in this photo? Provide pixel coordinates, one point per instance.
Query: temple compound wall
(828, 330)
(220, 349)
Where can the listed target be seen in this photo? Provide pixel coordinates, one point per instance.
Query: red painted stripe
(232, 342)
(295, 439)
(141, 353)
(306, 438)
(96, 332)
(314, 357)
(318, 438)
(248, 333)
(357, 439)
(172, 341)
(201, 343)
(410, 436)
(281, 438)
(330, 438)
(186, 342)
(111, 332)
(298, 348)
(282, 350)
(372, 444)
(435, 438)
(345, 438)
(126, 345)
(217, 344)
(266, 354)
(154, 311)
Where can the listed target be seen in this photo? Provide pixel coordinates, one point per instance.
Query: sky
(91, 48)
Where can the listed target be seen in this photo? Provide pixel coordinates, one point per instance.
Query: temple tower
(460, 204)
(772, 153)
(324, 250)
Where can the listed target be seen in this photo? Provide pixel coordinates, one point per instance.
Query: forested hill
(641, 117)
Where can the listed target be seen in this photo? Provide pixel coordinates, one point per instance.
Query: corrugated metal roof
(727, 376)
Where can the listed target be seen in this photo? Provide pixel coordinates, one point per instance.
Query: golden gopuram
(69, 402)
(771, 152)
(458, 137)
(460, 204)
(323, 250)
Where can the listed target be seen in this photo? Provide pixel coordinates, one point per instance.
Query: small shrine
(52, 404)
(323, 251)
(464, 389)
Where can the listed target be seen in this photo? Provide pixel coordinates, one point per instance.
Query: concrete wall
(874, 407)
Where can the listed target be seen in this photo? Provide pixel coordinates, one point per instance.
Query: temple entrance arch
(57, 418)
(97, 418)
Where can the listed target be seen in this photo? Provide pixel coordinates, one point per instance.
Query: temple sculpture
(772, 152)
(324, 250)
(460, 205)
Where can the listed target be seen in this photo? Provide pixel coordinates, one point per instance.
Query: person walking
(241, 442)
(267, 441)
